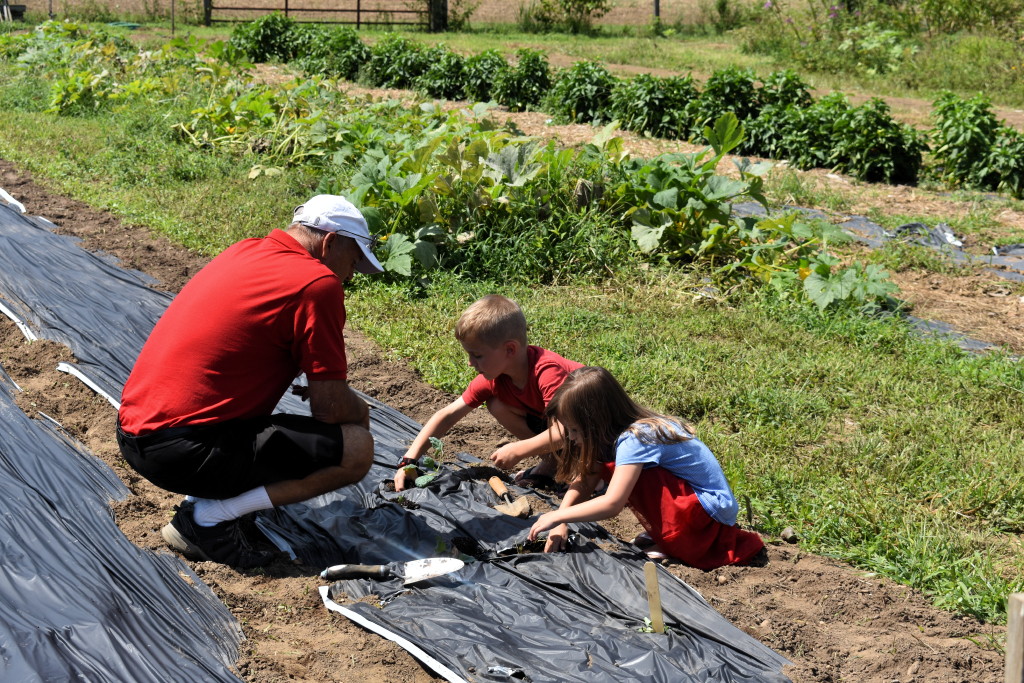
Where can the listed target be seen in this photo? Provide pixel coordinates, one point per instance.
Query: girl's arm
(603, 507)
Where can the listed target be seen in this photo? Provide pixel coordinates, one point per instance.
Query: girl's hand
(557, 539)
(543, 523)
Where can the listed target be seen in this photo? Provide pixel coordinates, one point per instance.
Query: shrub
(870, 145)
(1007, 161)
(962, 137)
(445, 75)
(482, 70)
(649, 104)
(807, 135)
(266, 38)
(336, 52)
(784, 88)
(522, 86)
(581, 94)
(395, 62)
(572, 16)
(727, 90)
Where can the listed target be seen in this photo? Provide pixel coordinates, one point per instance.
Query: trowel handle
(356, 571)
(499, 486)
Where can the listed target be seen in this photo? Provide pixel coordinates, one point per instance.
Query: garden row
(451, 191)
(783, 121)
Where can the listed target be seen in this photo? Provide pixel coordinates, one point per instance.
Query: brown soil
(833, 621)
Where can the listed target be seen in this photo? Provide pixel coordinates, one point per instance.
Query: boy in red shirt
(516, 381)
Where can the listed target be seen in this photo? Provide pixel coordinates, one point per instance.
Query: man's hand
(301, 390)
(507, 456)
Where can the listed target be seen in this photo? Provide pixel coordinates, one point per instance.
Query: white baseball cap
(333, 213)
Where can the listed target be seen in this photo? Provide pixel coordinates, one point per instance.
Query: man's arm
(333, 401)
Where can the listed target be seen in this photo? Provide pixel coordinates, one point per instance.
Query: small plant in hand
(428, 465)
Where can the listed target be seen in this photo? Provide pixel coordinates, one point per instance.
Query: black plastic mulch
(510, 614)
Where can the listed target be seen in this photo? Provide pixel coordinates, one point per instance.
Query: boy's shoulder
(539, 356)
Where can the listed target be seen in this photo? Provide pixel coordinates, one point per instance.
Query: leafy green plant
(870, 145)
(680, 208)
(962, 139)
(445, 75)
(522, 86)
(336, 51)
(571, 16)
(807, 138)
(784, 88)
(269, 37)
(481, 71)
(727, 90)
(654, 105)
(581, 94)
(395, 62)
(1007, 161)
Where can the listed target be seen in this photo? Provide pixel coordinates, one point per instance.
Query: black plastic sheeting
(939, 238)
(78, 601)
(509, 615)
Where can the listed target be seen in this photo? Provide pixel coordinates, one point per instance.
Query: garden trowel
(409, 572)
(520, 507)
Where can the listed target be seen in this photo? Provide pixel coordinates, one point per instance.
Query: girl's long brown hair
(593, 400)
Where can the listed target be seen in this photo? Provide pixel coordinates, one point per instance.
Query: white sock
(210, 511)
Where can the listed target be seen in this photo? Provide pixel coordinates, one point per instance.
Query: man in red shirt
(196, 412)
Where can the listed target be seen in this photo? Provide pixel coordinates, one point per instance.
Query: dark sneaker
(224, 543)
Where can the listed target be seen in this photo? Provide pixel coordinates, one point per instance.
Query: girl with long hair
(651, 462)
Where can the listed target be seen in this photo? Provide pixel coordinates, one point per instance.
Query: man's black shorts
(228, 458)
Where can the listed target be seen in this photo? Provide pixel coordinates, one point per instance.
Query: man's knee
(358, 450)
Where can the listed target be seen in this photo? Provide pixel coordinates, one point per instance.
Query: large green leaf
(648, 229)
(397, 251)
(726, 135)
(823, 290)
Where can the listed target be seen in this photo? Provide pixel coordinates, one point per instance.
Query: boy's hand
(506, 457)
(400, 479)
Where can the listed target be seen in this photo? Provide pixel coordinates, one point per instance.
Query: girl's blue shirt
(689, 460)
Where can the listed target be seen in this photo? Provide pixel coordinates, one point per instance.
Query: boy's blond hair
(492, 320)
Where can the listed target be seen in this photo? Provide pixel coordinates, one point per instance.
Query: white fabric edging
(11, 200)
(413, 649)
(29, 334)
(72, 370)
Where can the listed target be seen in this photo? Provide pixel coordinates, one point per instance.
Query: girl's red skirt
(668, 509)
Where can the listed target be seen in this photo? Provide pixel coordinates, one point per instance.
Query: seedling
(428, 464)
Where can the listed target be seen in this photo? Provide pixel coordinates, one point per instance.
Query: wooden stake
(1015, 638)
(654, 597)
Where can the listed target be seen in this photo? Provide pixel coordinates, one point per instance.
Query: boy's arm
(437, 426)
(549, 441)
